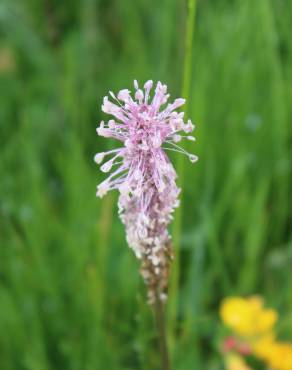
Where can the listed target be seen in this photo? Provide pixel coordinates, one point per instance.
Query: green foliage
(70, 293)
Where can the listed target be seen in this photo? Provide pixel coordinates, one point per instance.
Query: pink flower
(140, 169)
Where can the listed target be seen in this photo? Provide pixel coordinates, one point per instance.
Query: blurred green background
(70, 293)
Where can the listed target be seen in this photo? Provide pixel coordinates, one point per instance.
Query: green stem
(186, 83)
(161, 332)
(104, 232)
(187, 73)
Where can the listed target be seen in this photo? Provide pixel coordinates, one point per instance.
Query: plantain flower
(143, 174)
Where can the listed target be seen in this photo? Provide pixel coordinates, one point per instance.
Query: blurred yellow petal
(262, 346)
(233, 310)
(236, 362)
(247, 317)
(280, 357)
(266, 320)
(256, 302)
(238, 314)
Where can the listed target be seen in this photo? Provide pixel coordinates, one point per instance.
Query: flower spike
(143, 173)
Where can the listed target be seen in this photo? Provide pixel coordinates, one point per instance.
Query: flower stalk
(186, 83)
(161, 332)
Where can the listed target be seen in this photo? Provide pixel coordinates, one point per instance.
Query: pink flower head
(140, 168)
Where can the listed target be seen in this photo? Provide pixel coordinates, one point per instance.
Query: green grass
(70, 293)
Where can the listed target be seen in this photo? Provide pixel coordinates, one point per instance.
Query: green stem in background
(104, 230)
(187, 74)
(161, 332)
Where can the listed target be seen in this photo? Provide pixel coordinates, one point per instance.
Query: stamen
(107, 166)
(99, 157)
(193, 158)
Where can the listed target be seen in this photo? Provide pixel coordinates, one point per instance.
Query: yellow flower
(254, 324)
(266, 320)
(280, 356)
(236, 362)
(247, 317)
(262, 346)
